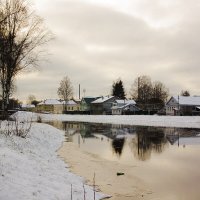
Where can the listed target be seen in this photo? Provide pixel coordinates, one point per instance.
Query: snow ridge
(31, 169)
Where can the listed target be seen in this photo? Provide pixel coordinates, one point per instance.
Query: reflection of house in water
(172, 139)
(70, 129)
(172, 135)
(122, 130)
(175, 135)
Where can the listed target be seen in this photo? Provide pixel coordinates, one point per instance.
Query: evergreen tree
(185, 93)
(118, 89)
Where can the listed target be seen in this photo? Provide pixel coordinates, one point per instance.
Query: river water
(167, 160)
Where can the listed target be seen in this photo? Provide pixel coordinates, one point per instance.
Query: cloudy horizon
(98, 41)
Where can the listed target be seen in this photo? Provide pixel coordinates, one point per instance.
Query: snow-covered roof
(122, 107)
(103, 99)
(88, 100)
(188, 100)
(71, 102)
(121, 101)
(51, 102)
(27, 106)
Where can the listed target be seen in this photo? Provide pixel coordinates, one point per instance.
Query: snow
(27, 106)
(141, 120)
(103, 99)
(71, 102)
(51, 102)
(31, 169)
(187, 100)
(120, 101)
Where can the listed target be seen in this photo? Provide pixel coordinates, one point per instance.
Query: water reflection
(118, 144)
(148, 140)
(141, 141)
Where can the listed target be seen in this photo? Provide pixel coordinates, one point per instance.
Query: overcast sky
(98, 41)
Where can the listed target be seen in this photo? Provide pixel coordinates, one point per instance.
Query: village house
(183, 105)
(85, 104)
(121, 107)
(51, 106)
(102, 105)
(72, 106)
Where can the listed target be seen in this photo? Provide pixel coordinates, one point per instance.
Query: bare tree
(22, 33)
(65, 90)
(149, 95)
(160, 92)
(141, 89)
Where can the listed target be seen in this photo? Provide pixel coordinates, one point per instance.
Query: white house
(183, 105)
(121, 106)
(102, 105)
(51, 106)
(72, 106)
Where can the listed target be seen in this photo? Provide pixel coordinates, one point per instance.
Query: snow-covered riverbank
(143, 120)
(31, 169)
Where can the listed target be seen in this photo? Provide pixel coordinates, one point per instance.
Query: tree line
(144, 91)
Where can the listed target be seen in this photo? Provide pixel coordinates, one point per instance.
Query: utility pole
(79, 92)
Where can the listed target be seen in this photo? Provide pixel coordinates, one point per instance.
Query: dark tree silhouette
(118, 89)
(118, 145)
(185, 93)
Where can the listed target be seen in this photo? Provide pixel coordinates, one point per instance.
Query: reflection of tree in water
(118, 144)
(148, 139)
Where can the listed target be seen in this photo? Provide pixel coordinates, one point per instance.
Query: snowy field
(31, 170)
(143, 120)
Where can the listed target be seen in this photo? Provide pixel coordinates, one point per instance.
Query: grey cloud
(95, 45)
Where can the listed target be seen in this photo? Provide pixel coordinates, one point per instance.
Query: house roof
(27, 106)
(121, 101)
(102, 99)
(71, 102)
(51, 102)
(88, 100)
(123, 107)
(188, 100)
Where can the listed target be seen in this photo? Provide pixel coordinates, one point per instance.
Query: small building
(51, 106)
(102, 105)
(121, 107)
(85, 104)
(71, 105)
(183, 105)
